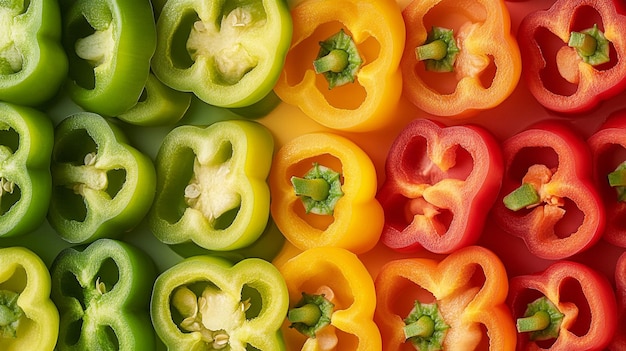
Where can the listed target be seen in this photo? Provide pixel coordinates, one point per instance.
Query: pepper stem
(617, 180)
(439, 51)
(542, 319)
(538, 321)
(338, 60)
(522, 197)
(435, 50)
(312, 313)
(10, 314)
(335, 61)
(317, 189)
(424, 327)
(591, 45)
(308, 314)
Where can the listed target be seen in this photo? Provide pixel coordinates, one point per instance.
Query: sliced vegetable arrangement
(312, 175)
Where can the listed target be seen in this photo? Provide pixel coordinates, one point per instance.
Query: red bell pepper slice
(439, 182)
(619, 340)
(608, 147)
(562, 75)
(580, 304)
(548, 197)
(468, 289)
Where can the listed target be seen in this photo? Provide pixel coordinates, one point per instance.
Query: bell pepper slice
(206, 303)
(26, 139)
(158, 105)
(211, 185)
(30, 320)
(607, 148)
(460, 57)
(371, 84)
(33, 64)
(228, 53)
(619, 339)
(438, 182)
(548, 197)
(109, 45)
(462, 297)
(101, 185)
(579, 299)
(332, 302)
(349, 216)
(103, 293)
(557, 71)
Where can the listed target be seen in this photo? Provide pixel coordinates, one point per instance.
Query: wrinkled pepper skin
(26, 140)
(228, 53)
(103, 292)
(439, 180)
(555, 75)
(33, 64)
(488, 66)
(212, 187)
(378, 32)
(472, 308)
(109, 44)
(607, 144)
(253, 288)
(101, 185)
(348, 285)
(24, 273)
(357, 219)
(568, 216)
(584, 297)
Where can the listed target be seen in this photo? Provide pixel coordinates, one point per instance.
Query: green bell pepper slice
(33, 64)
(26, 137)
(109, 44)
(29, 320)
(211, 185)
(228, 53)
(103, 293)
(206, 303)
(158, 105)
(101, 185)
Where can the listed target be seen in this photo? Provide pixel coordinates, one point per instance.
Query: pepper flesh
(342, 279)
(561, 80)
(378, 33)
(22, 272)
(357, 217)
(473, 308)
(484, 41)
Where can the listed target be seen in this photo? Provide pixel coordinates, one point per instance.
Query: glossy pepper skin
(228, 53)
(607, 144)
(488, 64)
(566, 215)
(378, 33)
(24, 273)
(619, 340)
(211, 185)
(439, 180)
(103, 293)
(343, 279)
(33, 64)
(582, 295)
(471, 308)
(205, 302)
(555, 74)
(102, 185)
(357, 218)
(109, 45)
(26, 139)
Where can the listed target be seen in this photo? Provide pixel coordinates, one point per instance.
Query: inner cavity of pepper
(14, 323)
(228, 44)
(201, 307)
(301, 57)
(461, 21)
(79, 173)
(213, 187)
(10, 192)
(11, 57)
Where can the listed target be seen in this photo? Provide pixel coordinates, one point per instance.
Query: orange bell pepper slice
(488, 63)
(357, 219)
(377, 29)
(338, 274)
(469, 288)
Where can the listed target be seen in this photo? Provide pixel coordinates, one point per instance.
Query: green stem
(335, 61)
(308, 314)
(317, 189)
(585, 43)
(522, 197)
(424, 327)
(617, 177)
(10, 314)
(439, 51)
(591, 45)
(542, 320)
(538, 321)
(435, 50)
